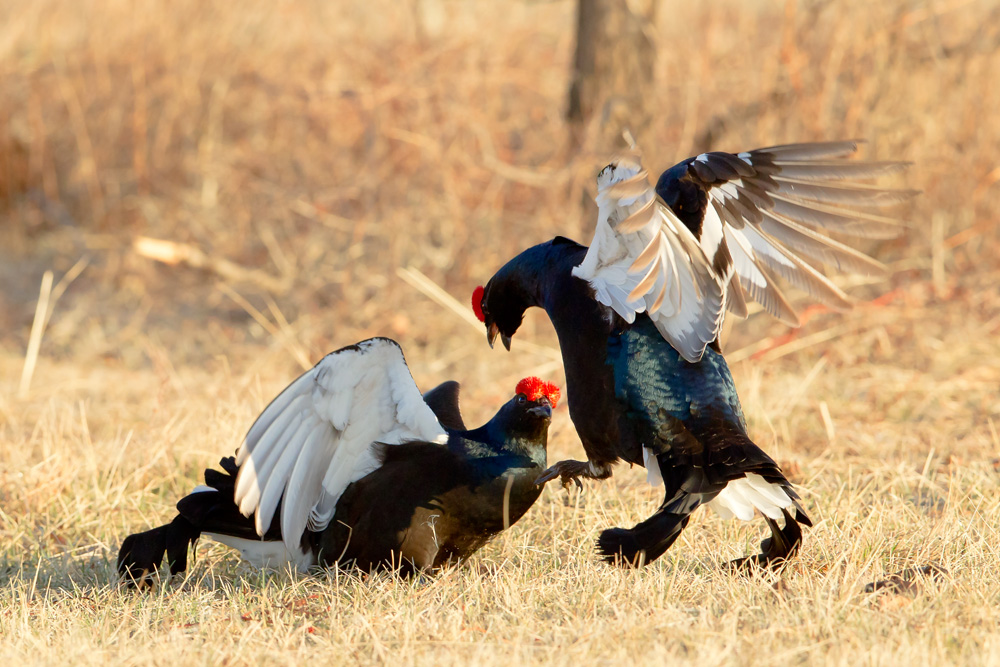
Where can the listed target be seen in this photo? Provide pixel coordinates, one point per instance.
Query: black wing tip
(362, 346)
(368, 342)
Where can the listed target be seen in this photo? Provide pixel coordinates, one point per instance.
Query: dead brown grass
(303, 153)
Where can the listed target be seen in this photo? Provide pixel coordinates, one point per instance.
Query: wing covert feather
(717, 228)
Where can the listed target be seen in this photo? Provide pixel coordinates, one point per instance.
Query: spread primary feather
(762, 208)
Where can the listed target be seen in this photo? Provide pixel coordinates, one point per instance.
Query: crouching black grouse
(638, 315)
(351, 465)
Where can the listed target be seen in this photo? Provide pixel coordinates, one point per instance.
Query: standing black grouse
(639, 312)
(351, 465)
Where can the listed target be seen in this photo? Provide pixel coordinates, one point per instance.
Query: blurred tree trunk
(614, 63)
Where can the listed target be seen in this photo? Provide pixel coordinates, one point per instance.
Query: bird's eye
(521, 398)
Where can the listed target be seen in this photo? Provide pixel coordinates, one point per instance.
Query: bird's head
(522, 283)
(529, 413)
(500, 305)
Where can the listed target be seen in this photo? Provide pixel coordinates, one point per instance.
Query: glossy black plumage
(426, 505)
(627, 388)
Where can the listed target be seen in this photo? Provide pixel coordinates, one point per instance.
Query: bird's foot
(141, 554)
(775, 550)
(571, 471)
(139, 558)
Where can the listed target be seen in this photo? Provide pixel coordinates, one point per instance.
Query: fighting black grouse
(351, 465)
(639, 312)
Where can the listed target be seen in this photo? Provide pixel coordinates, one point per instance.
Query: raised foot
(569, 471)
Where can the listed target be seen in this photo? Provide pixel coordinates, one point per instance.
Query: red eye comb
(477, 303)
(534, 389)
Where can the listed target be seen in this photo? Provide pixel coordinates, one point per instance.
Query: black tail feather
(802, 517)
(216, 512)
(223, 481)
(783, 544)
(205, 511)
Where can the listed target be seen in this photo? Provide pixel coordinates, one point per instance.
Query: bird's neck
(583, 327)
(491, 440)
(543, 273)
(581, 323)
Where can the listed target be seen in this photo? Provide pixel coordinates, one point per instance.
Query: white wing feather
(317, 436)
(644, 259)
(766, 210)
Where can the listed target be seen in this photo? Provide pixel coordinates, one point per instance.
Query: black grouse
(350, 465)
(638, 315)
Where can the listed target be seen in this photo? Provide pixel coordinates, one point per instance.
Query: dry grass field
(317, 169)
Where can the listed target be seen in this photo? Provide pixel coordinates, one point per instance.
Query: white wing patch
(269, 554)
(780, 208)
(316, 437)
(644, 259)
(767, 211)
(742, 496)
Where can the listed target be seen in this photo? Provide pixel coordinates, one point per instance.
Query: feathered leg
(644, 543)
(142, 553)
(209, 509)
(780, 547)
(647, 541)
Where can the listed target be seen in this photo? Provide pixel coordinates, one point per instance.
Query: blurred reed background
(301, 152)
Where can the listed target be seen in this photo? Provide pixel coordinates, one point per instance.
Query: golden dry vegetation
(317, 169)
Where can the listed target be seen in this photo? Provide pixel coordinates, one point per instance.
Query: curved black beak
(544, 410)
(492, 331)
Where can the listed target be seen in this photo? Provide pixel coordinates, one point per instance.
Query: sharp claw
(566, 474)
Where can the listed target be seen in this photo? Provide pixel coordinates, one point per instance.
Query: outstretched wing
(752, 215)
(644, 259)
(317, 436)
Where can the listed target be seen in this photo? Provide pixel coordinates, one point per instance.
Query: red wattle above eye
(534, 388)
(477, 303)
